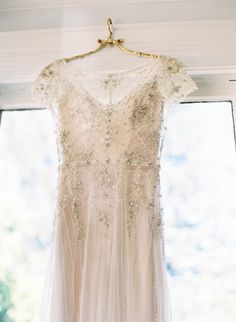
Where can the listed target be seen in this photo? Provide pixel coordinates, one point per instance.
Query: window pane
(198, 181)
(28, 186)
(198, 192)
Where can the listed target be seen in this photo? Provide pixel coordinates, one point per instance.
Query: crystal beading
(109, 146)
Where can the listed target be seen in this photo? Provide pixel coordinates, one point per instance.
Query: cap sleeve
(46, 87)
(176, 83)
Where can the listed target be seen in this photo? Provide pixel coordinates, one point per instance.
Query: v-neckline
(147, 67)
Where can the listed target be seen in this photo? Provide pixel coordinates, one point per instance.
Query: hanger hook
(109, 23)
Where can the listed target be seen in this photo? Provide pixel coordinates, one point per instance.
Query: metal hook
(109, 23)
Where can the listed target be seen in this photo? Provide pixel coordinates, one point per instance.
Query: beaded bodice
(109, 129)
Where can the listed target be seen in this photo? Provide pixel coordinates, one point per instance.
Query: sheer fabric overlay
(107, 259)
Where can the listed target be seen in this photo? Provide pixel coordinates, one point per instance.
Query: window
(199, 184)
(28, 184)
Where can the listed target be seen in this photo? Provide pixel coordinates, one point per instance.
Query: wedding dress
(107, 260)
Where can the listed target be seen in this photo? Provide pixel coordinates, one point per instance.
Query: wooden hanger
(111, 42)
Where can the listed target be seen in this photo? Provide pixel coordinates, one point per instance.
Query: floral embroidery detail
(139, 111)
(138, 182)
(105, 217)
(105, 176)
(77, 186)
(137, 156)
(77, 213)
(110, 130)
(132, 212)
(155, 218)
(63, 201)
(85, 158)
(110, 80)
(173, 66)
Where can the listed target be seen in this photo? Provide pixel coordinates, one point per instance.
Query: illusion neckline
(90, 73)
(148, 67)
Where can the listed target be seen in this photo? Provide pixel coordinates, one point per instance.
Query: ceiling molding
(204, 47)
(37, 4)
(26, 15)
